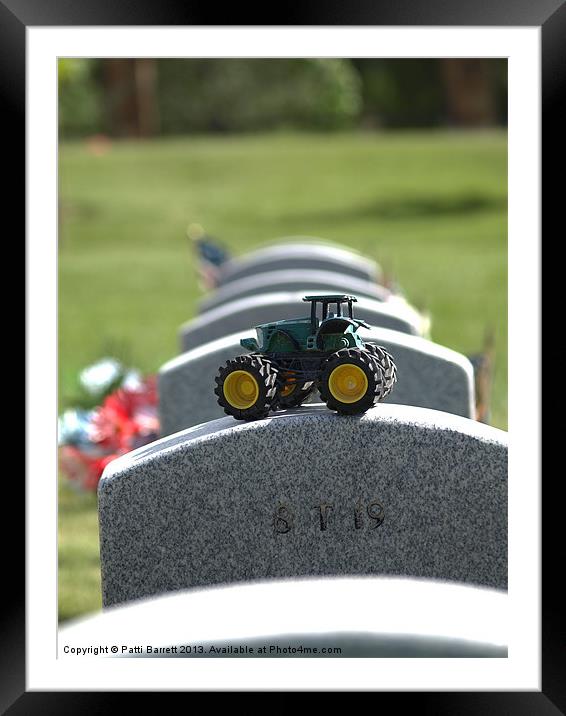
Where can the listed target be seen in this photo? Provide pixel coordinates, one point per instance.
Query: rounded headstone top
(251, 311)
(298, 279)
(397, 490)
(315, 421)
(294, 252)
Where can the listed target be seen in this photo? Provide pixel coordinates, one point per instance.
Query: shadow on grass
(407, 208)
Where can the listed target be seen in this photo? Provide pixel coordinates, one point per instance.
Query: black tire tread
(264, 370)
(387, 364)
(376, 388)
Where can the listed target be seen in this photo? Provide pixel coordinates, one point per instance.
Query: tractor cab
(336, 328)
(330, 326)
(328, 301)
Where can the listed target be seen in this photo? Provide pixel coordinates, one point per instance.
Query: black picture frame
(550, 16)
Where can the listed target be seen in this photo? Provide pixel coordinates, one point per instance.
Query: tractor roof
(332, 298)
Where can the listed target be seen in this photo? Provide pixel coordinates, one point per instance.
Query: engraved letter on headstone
(324, 509)
(283, 519)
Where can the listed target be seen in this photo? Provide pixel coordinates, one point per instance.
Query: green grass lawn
(430, 207)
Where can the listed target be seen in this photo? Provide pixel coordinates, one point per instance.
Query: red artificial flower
(126, 415)
(127, 419)
(83, 469)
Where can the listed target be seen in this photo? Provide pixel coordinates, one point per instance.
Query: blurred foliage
(221, 95)
(80, 97)
(411, 92)
(402, 93)
(201, 95)
(235, 95)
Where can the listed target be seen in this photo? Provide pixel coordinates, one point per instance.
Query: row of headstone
(292, 281)
(312, 255)
(432, 376)
(414, 488)
(245, 313)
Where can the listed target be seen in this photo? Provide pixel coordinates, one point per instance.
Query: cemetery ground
(431, 207)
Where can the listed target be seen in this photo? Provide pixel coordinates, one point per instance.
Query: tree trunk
(131, 97)
(469, 92)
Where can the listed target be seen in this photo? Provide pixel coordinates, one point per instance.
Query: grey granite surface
(430, 376)
(397, 491)
(306, 281)
(245, 313)
(301, 253)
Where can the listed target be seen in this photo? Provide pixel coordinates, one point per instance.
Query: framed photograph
(415, 123)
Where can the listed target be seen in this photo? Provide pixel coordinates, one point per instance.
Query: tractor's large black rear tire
(351, 381)
(387, 365)
(244, 371)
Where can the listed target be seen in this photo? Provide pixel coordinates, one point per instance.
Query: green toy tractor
(292, 358)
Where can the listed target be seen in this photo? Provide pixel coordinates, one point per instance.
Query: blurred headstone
(307, 280)
(431, 376)
(245, 313)
(312, 255)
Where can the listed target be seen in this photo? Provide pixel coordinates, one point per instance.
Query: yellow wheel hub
(348, 383)
(241, 389)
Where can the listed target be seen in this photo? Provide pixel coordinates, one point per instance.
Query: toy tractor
(292, 358)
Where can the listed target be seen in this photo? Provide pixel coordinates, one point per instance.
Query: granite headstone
(245, 313)
(397, 491)
(307, 281)
(306, 253)
(431, 376)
